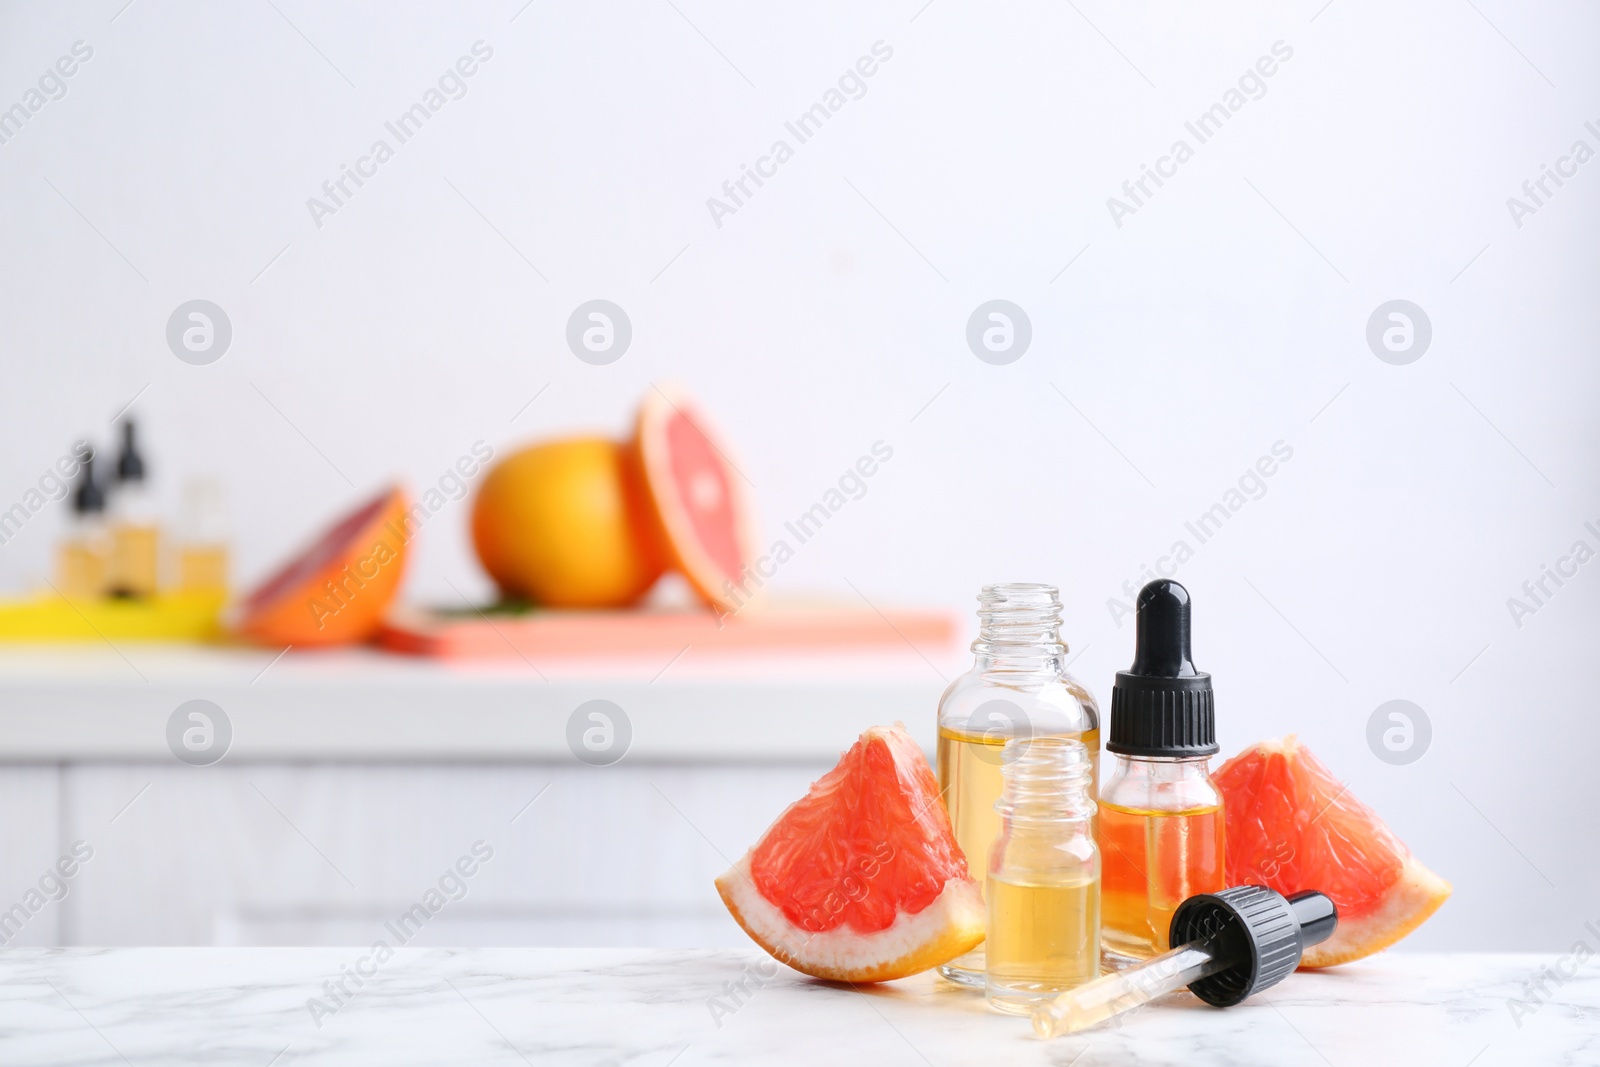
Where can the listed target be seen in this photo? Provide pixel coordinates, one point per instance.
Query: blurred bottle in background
(81, 556)
(135, 569)
(203, 538)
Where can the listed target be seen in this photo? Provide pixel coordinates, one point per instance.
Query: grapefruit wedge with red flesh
(696, 496)
(338, 589)
(1292, 826)
(861, 880)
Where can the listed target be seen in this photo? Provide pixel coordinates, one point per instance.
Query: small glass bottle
(81, 555)
(203, 538)
(1160, 821)
(1018, 687)
(1043, 884)
(135, 567)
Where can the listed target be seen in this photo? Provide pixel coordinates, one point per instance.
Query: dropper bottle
(1161, 820)
(1231, 945)
(135, 538)
(81, 556)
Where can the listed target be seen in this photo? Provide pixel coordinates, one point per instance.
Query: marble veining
(277, 1007)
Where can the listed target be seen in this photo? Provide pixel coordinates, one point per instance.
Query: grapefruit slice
(861, 880)
(702, 515)
(337, 590)
(1292, 826)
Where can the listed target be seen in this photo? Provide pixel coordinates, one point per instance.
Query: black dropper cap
(130, 465)
(88, 498)
(1258, 935)
(1162, 705)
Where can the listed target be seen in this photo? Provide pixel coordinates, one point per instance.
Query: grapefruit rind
(674, 525)
(952, 925)
(1410, 903)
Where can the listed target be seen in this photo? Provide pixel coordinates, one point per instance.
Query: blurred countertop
(64, 703)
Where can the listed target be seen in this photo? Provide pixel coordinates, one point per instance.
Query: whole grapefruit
(565, 524)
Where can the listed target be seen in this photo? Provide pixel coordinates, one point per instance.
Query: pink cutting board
(610, 633)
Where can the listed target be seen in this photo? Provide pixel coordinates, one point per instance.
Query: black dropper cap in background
(130, 464)
(1162, 705)
(88, 498)
(1258, 934)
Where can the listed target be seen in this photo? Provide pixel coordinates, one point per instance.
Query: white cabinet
(280, 854)
(30, 833)
(356, 781)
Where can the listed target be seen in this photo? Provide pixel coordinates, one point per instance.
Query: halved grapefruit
(337, 590)
(1292, 826)
(702, 515)
(861, 880)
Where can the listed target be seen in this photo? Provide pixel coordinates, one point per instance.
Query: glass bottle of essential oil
(1043, 884)
(1018, 687)
(1160, 821)
(135, 566)
(81, 555)
(203, 538)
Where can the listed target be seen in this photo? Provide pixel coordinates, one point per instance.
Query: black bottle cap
(89, 498)
(1317, 915)
(1257, 934)
(130, 465)
(1162, 705)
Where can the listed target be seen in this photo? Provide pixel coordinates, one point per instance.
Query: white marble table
(656, 1007)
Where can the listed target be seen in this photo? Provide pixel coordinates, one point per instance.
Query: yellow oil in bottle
(202, 568)
(80, 569)
(135, 559)
(969, 777)
(1043, 939)
(1151, 861)
(969, 767)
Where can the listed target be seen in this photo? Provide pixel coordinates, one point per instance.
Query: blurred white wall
(1226, 314)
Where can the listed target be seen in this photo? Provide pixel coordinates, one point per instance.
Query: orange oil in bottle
(1151, 861)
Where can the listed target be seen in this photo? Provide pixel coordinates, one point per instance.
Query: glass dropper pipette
(1230, 944)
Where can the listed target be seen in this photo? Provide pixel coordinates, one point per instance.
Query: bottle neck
(1164, 768)
(1132, 776)
(1043, 817)
(1007, 662)
(1019, 630)
(1046, 780)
